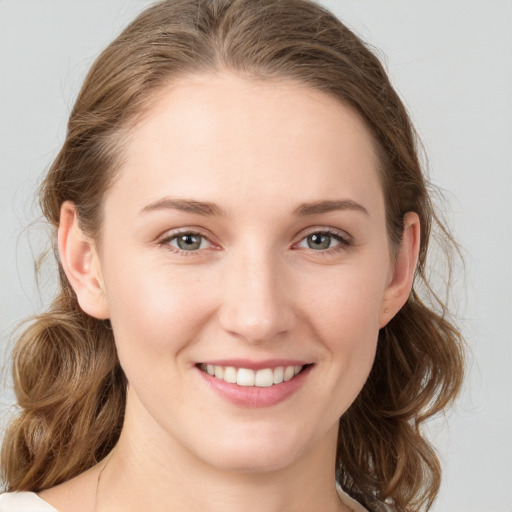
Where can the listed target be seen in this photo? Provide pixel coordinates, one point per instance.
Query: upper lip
(256, 365)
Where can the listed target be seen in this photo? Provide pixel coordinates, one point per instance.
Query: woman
(241, 225)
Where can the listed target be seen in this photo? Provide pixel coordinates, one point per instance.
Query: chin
(249, 462)
(257, 453)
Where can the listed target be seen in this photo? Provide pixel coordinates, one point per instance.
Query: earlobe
(400, 284)
(80, 262)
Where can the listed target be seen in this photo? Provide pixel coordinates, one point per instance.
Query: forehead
(223, 135)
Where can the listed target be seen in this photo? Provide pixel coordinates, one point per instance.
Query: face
(246, 268)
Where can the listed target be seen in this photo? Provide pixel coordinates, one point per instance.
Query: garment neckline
(354, 505)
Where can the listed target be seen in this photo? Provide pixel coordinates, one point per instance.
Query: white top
(24, 502)
(31, 502)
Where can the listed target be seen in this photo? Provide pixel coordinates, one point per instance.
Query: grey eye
(322, 240)
(319, 241)
(189, 242)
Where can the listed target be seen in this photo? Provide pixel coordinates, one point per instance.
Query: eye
(186, 241)
(323, 241)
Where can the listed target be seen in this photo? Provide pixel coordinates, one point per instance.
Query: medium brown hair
(67, 377)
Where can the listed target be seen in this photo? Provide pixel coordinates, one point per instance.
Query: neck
(162, 473)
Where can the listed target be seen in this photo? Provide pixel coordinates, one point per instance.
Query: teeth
(289, 373)
(230, 374)
(263, 378)
(245, 377)
(278, 375)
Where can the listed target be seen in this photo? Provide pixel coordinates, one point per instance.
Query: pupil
(188, 242)
(317, 241)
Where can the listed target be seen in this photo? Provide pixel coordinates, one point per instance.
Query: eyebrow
(317, 207)
(206, 208)
(186, 205)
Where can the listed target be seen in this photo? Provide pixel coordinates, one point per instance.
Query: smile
(262, 378)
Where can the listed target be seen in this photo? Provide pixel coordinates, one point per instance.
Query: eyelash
(166, 242)
(344, 242)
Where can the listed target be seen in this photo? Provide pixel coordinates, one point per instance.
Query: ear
(81, 264)
(402, 275)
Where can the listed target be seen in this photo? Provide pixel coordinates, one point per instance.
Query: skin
(255, 289)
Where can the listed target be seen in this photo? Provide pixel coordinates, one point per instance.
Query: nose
(256, 297)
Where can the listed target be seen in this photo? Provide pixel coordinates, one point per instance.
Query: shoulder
(355, 506)
(346, 500)
(23, 502)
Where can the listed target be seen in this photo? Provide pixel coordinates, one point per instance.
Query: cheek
(345, 318)
(348, 305)
(155, 311)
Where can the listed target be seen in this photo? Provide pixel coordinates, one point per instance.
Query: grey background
(450, 60)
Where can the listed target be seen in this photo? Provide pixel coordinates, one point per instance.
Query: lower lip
(252, 396)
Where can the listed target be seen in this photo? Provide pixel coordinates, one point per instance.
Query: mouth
(247, 377)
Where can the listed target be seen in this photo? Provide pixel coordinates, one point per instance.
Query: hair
(67, 377)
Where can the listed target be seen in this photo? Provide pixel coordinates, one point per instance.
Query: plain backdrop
(450, 60)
